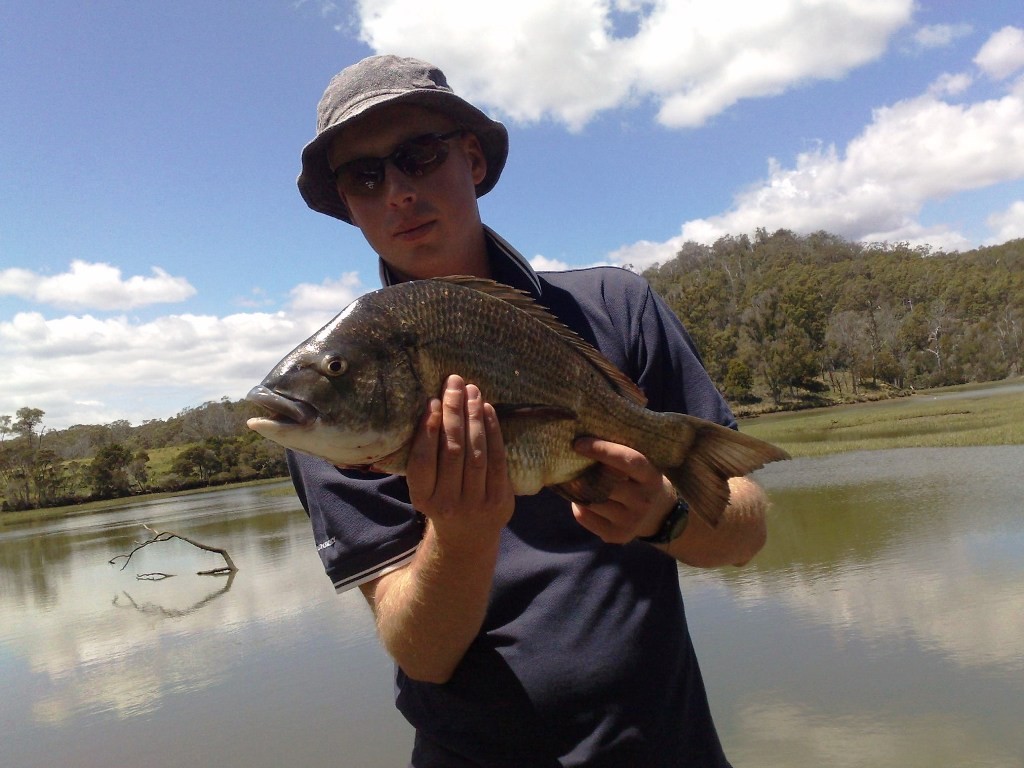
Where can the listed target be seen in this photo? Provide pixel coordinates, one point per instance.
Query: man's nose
(398, 188)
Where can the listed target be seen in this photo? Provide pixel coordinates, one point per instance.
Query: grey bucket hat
(375, 82)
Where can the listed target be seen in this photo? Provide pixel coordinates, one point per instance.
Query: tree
(49, 479)
(28, 420)
(763, 321)
(739, 381)
(16, 468)
(846, 342)
(108, 471)
(197, 461)
(138, 472)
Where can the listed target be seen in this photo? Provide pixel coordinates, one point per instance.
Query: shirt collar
(507, 266)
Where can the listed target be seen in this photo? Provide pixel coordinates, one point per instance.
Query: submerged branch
(229, 566)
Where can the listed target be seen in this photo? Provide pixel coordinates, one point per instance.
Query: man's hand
(457, 472)
(429, 611)
(640, 497)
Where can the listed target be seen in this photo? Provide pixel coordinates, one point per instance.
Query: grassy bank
(992, 414)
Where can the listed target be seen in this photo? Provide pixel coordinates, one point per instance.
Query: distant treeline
(783, 314)
(777, 317)
(207, 445)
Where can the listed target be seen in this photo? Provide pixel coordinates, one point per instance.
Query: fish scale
(354, 392)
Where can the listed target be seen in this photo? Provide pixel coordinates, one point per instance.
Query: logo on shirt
(326, 544)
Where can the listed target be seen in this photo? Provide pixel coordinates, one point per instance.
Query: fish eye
(332, 365)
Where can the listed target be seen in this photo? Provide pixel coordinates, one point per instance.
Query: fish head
(347, 394)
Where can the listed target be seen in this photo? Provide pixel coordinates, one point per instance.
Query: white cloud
(940, 35)
(700, 58)
(1007, 224)
(1002, 54)
(543, 264)
(914, 151)
(645, 253)
(94, 286)
(948, 84)
(693, 57)
(329, 297)
(84, 369)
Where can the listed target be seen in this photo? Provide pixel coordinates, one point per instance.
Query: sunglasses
(419, 156)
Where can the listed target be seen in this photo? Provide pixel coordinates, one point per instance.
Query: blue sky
(155, 254)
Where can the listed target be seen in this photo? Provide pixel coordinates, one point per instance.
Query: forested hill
(782, 312)
(776, 317)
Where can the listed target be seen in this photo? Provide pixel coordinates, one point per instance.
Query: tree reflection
(150, 608)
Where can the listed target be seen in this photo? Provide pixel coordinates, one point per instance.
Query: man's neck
(475, 261)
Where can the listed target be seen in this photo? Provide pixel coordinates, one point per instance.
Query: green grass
(911, 422)
(161, 459)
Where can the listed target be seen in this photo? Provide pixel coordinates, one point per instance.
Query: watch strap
(673, 525)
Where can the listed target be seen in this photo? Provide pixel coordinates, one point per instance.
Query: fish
(354, 392)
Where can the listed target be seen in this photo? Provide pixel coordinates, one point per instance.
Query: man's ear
(344, 201)
(475, 155)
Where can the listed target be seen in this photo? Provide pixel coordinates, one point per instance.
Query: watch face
(679, 526)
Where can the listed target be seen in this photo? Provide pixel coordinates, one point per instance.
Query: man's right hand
(429, 611)
(457, 471)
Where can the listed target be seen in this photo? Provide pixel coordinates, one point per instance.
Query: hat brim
(316, 183)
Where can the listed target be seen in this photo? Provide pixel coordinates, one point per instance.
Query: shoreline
(930, 418)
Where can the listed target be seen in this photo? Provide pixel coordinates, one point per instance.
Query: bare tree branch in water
(229, 566)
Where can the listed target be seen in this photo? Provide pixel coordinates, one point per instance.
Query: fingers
(639, 495)
(421, 466)
(475, 454)
(454, 439)
(457, 459)
(499, 486)
(619, 459)
(606, 527)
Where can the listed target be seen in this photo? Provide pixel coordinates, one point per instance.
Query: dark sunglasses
(419, 156)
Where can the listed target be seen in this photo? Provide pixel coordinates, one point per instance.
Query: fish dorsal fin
(523, 301)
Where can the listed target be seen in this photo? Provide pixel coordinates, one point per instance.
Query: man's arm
(740, 534)
(642, 498)
(429, 612)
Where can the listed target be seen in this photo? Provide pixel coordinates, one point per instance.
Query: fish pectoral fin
(591, 486)
(533, 411)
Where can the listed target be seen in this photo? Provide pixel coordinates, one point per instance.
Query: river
(883, 625)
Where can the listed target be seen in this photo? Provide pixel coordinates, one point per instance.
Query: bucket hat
(380, 81)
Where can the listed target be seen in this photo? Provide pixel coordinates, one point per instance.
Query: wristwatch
(673, 526)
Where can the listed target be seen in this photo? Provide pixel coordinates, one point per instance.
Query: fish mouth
(283, 409)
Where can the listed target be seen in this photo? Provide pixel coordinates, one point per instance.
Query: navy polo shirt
(584, 657)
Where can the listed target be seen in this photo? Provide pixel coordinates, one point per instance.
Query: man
(526, 631)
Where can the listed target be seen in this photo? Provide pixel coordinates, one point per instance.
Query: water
(882, 625)
(267, 668)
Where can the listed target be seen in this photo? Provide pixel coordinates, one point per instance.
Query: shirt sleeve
(640, 334)
(671, 370)
(363, 524)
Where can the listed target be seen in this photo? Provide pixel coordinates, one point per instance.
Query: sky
(155, 253)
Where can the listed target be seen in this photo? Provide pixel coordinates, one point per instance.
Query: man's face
(422, 226)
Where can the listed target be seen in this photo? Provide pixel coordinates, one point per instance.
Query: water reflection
(160, 609)
(882, 625)
(105, 666)
(926, 543)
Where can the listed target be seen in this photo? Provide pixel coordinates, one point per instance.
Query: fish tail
(716, 454)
